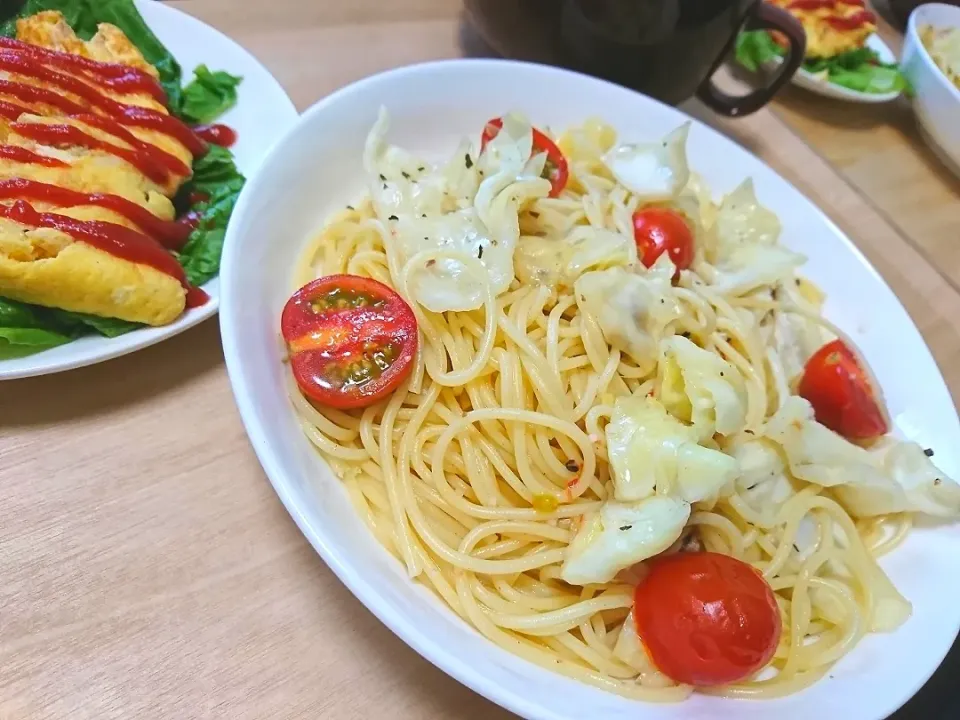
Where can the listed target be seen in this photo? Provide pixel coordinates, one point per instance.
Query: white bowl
(316, 169)
(936, 100)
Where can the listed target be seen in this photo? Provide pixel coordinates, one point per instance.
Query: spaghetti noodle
(481, 469)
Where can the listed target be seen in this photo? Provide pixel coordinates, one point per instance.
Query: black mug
(668, 49)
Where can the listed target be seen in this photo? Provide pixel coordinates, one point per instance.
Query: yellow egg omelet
(825, 25)
(48, 267)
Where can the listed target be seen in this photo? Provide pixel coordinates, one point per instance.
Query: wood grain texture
(149, 571)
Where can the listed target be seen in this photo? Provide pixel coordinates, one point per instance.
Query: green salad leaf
(209, 95)
(216, 184)
(41, 327)
(26, 329)
(860, 69)
(755, 48)
(214, 187)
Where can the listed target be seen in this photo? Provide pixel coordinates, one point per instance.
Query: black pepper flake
(384, 186)
(721, 373)
(572, 466)
(423, 215)
(928, 452)
(405, 175)
(937, 482)
(480, 253)
(393, 217)
(467, 161)
(382, 178)
(534, 214)
(626, 527)
(421, 168)
(795, 547)
(797, 281)
(349, 207)
(685, 334)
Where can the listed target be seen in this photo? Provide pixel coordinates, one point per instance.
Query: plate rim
(147, 337)
(284, 485)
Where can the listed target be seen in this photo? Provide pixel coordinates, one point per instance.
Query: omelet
(48, 267)
(832, 26)
(50, 29)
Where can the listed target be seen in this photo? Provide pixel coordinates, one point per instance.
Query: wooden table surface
(147, 569)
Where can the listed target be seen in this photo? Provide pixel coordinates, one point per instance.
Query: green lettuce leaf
(755, 48)
(26, 329)
(860, 70)
(209, 95)
(34, 328)
(216, 184)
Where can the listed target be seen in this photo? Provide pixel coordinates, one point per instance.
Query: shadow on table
(98, 389)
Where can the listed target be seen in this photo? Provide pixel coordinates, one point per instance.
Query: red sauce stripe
(851, 22)
(142, 117)
(170, 162)
(216, 134)
(119, 241)
(171, 234)
(70, 136)
(33, 94)
(17, 63)
(12, 111)
(22, 155)
(113, 75)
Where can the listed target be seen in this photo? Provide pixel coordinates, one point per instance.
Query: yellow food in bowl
(944, 47)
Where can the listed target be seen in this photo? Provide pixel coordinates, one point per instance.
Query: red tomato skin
(706, 619)
(541, 143)
(659, 230)
(837, 387)
(345, 333)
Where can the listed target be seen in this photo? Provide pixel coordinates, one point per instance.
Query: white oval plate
(811, 82)
(316, 169)
(262, 114)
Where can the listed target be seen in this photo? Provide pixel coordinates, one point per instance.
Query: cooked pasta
(943, 44)
(560, 385)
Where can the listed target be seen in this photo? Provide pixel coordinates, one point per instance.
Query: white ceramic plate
(811, 82)
(316, 169)
(262, 113)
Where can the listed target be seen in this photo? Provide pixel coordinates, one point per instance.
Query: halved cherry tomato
(840, 393)
(657, 230)
(705, 618)
(555, 170)
(351, 340)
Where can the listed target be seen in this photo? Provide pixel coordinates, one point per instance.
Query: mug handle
(768, 17)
